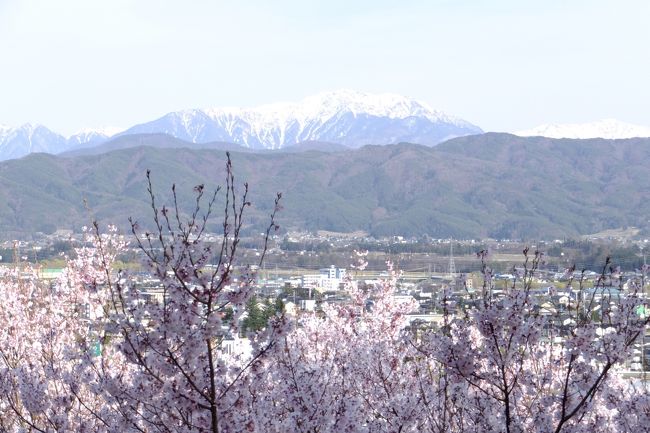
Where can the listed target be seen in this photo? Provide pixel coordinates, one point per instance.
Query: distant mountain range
(29, 138)
(496, 185)
(17, 142)
(344, 119)
(606, 128)
(347, 118)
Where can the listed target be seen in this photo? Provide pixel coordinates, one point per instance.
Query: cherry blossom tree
(521, 374)
(94, 352)
(497, 366)
(97, 351)
(341, 370)
(181, 379)
(49, 336)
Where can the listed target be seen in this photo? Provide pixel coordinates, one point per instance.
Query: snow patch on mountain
(16, 142)
(105, 131)
(345, 117)
(324, 106)
(89, 137)
(29, 138)
(606, 128)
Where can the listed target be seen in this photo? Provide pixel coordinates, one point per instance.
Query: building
(327, 279)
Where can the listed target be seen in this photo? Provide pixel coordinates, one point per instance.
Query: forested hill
(495, 185)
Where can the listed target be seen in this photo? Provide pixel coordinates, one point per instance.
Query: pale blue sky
(503, 65)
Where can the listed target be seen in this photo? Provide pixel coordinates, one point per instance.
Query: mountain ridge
(490, 185)
(346, 117)
(605, 128)
(343, 117)
(16, 142)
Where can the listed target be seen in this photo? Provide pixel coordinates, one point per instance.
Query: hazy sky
(503, 65)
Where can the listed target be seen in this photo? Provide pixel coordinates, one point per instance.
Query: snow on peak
(346, 117)
(27, 138)
(105, 131)
(335, 116)
(324, 106)
(4, 131)
(606, 128)
(27, 128)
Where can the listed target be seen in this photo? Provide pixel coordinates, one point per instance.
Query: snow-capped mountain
(90, 137)
(606, 128)
(345, 117)
(28, 138)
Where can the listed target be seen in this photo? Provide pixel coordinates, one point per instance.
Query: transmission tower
(452, 265)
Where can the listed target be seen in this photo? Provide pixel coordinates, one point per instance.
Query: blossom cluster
(89, 353)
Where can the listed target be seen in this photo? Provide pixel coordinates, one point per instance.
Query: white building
(312, 281)
(327, 279)
(333, 273)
